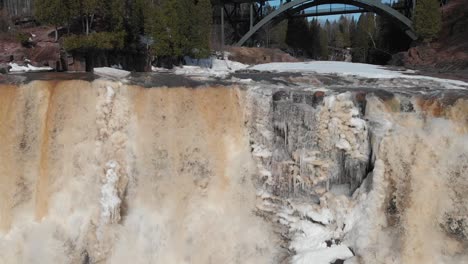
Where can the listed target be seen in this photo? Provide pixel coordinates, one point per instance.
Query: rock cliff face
(448, 54)
(364, 171)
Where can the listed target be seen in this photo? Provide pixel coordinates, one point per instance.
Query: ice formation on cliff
(376, 212)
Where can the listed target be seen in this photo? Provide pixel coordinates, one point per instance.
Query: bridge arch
(295, 6)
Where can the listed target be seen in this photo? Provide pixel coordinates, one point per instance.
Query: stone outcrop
(448, 54)
(315, 144)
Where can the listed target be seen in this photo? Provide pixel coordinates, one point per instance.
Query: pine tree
(278, 35)
(292, 34)
(323, 44)
(343, 25)
(361, 39)
(313, 43)
(135, 23)
(178, 27)
(200, 34)
(162, 27)
(117, 17)
(297, 34)
(390, 37)
(339, 40)
(427, 19)
(352, 30)
(328, 28)
(186, 26)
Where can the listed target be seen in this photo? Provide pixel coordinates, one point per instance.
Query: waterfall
(109, 172)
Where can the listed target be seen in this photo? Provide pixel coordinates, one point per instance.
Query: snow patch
(227, 65)
(27, 68)
(323, 256)
(111, 72)
(347, 68)
(220, 68)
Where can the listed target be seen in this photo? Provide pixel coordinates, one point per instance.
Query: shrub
(100, 40)
(23, 38)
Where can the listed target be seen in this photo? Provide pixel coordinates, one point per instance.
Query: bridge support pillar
(251, 16)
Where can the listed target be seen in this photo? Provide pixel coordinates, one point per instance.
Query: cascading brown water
(106, 172)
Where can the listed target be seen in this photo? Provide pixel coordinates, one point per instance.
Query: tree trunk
(91, 22)
(87, 24)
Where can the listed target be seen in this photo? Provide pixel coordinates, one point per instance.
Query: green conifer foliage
(163, 27)
(51, 12)
(323, 44)
(313, 41)
(427, 19)
(180, 27)
(297, 34)
(200, 35)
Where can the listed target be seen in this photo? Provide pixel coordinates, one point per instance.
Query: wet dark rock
(457, 227)
(332, 242)
(338, 261)
(4, 68)
(280, 96)
(318, 98)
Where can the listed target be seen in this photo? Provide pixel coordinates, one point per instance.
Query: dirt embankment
(447, 55)
(38, 47)
(259, 55)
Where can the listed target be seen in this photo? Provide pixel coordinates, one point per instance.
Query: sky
(333, 17)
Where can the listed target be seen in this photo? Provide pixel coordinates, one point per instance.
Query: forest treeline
(160, 27)
(175, 28)
(369, 38)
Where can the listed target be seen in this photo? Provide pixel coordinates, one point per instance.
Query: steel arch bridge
(293, 7)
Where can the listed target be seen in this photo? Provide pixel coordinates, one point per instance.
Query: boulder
(398, 59)
(4, 68)
(45, 54)
(18, 56)
(5, 58)
(76, 63)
